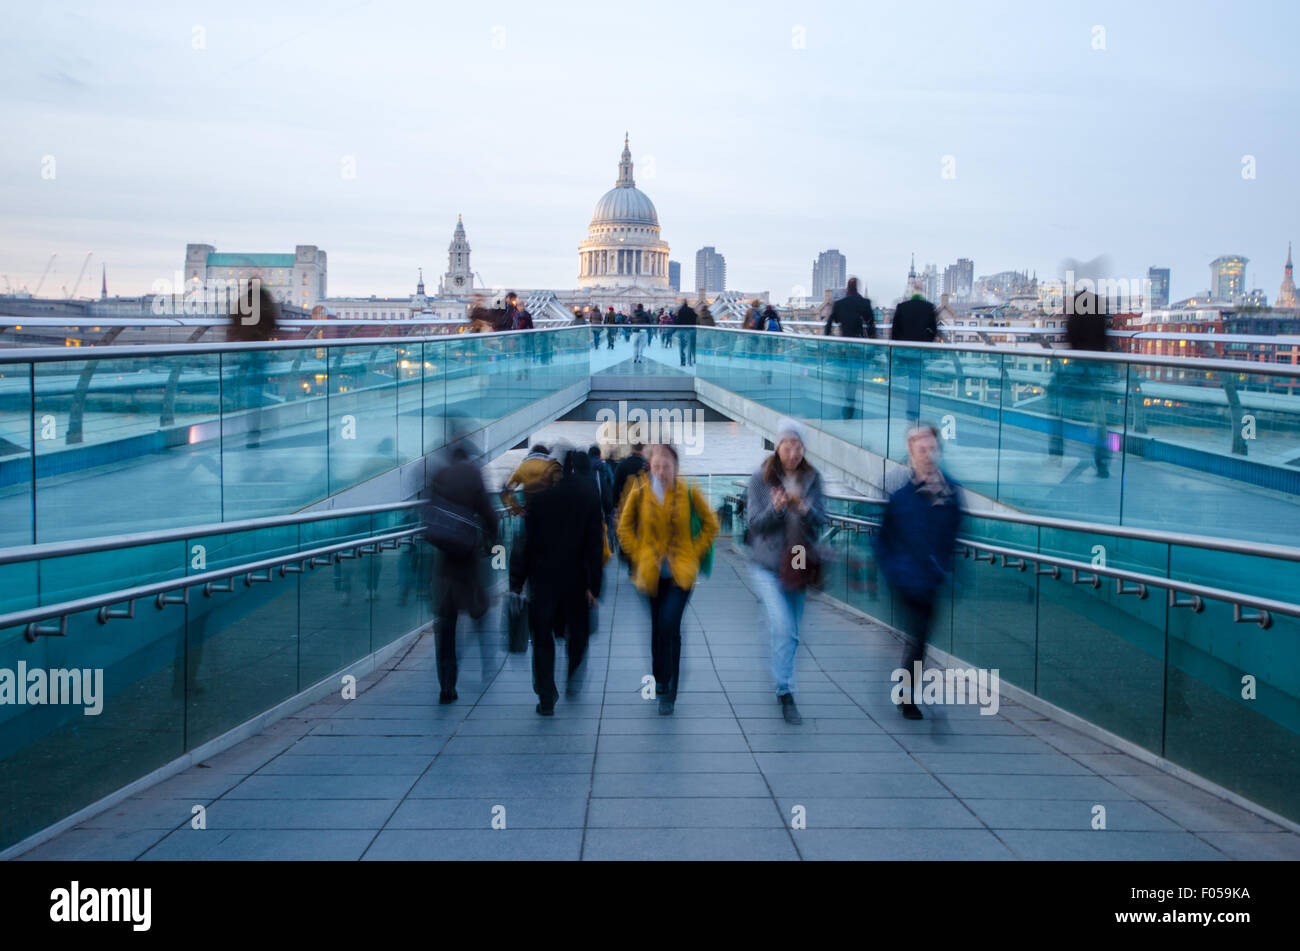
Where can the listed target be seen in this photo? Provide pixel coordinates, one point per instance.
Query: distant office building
(1228, 277)
(710, 271)
(931, 283)
(830, 273)
(1158, 286)
(675, 275)
(959, 279)
(297, 279)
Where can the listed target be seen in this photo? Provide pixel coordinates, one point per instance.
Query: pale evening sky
(770, 130)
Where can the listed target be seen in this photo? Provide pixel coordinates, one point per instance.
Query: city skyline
(175, 142)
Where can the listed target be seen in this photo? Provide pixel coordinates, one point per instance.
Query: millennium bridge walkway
(230, 536)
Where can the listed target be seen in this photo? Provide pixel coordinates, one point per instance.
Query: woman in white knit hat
(785, 514)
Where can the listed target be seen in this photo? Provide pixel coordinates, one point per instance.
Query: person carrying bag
(786, 511)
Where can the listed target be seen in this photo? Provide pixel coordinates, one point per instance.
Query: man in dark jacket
(627, 467)
(915, 546)
(857, 318)
(687, 320)
(604, 478)
(459, 586)
(1077, 385)
(611, 327)
(853, 313)
(914, 320)
(562, 563)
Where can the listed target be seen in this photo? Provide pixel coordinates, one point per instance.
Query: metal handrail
(126, 352)
(1207, 364)
(1199, 364)
(315, 323)
(1182, 539)
(24, 553)
(1083, 572)
(31, 618)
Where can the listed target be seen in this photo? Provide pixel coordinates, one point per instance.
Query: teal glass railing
(1209, 446)
(1216, 695)
(130, 439)
(168, 679)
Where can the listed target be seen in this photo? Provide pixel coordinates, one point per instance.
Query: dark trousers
(548, 613)
(686, 346)
(447, 667)
(666, 608)
(918, 614)
(459, 589)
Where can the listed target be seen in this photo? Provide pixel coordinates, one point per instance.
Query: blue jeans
(667, 605)
(784, 610)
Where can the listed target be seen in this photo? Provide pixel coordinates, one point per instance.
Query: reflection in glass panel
(16, 430)
(142, 430)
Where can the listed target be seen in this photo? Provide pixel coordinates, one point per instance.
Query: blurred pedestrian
(853, 313)
(630, 465)
(687, 320)
(639, 320)
(563, 566)
(856, 318)
(1077, 385)
(915, 320)
(786, 512)
(255, 318)
(655, 529)
(460, 523)
(915, 547)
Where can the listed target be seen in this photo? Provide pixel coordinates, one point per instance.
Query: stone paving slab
(394, 775)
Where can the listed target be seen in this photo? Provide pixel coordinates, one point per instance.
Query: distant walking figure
(856, 318)
(914, 320)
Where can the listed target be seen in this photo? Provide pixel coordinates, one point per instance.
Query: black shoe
(665, 708)
(789, 710)
(448, 696)
(546, 711)
(911, 712)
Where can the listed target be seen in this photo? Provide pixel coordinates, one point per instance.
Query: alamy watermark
(37, 686)
(676, 426)
(215, 295)
(948, 687)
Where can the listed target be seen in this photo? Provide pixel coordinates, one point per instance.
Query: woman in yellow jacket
(654, 529)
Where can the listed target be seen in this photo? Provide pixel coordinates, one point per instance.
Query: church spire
(419, 288)
(1286, 296)
(625, 179)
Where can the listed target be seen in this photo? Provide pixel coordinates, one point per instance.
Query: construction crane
(45, 273)
(80, 275)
